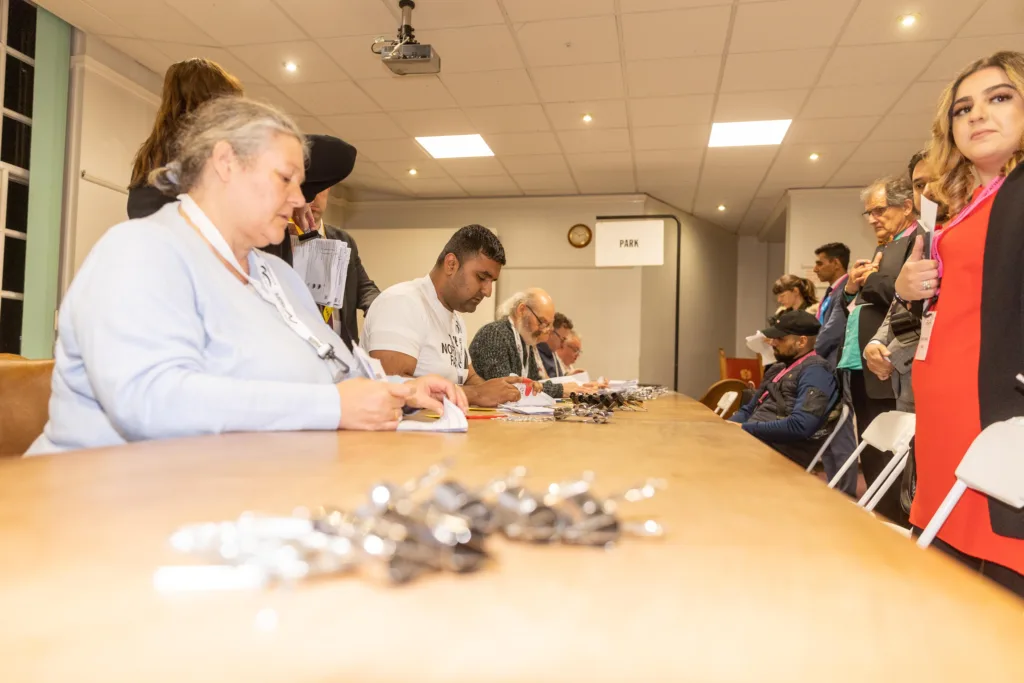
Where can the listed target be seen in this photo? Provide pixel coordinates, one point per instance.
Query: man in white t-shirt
(415, 328)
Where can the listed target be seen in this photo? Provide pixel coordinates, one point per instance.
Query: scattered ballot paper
(758, 343)
(323, 266)
(578, 378)
(452, 420)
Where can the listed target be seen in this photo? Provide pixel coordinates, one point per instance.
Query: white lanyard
(559, 368)
(266, 285)
(519, 347)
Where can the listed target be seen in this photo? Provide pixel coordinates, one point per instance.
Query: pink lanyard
(908, 231)
(989, 190)
(778, 378)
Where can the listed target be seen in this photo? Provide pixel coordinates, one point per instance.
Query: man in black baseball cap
(791, 410)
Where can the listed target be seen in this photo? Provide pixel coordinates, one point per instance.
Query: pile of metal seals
(596, 408)
(430, 524)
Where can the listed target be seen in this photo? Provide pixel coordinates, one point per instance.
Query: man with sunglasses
(506, 346)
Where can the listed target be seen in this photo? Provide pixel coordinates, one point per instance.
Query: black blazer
(877, 295)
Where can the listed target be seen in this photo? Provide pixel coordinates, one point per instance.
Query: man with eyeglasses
(506, 346)
(551, 364)
(569, 353)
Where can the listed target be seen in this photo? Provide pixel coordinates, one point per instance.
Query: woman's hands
(370, 405)
(430, 391)
(919, 277)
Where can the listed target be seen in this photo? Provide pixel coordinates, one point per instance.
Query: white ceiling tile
(311, 124)
(579, 82)
(332, 18)
(383, 151)
(793, 167)
(569, 41)
(257, 22)
(360, 127)
(426, 169)
(455, 13)
(658, 5)
(86, 18)
(848, 129)
(472, 168)
(153, 20)
(600, 161)
(678, 33)
(480, 48)
(759, 211)
(434, 122)
(546, 183)
(867, 65)
(579, 141)
(537, 163)
(434, 187)
(742, 167)
(963, 51)
(179, 52)
(994, 18)
(490, 186)
(662, 159)
(271, 95)
(604, 114)
(405, 93)
(922, 96)
(671, 137)
(353, 54)
(915, 126)
(788, 69)
(788, 25)
(331, 98)
(504, 144)
(491, 88)
(661, 169)
(670, 111)
(522, 118)
(678, 76)
(860, 100)
(886, 154)
(708, 199)
(372, 188)
(605, 182)
(768, 105)
(679, 196)
(859, 174)
(368, 169)
(142, 51)
(268, 60)
(541, 10)
(877, 21)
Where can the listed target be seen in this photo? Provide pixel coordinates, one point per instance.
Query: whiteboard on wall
(604, 306)
(393, 256)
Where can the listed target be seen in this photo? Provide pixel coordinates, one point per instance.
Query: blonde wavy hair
(954, 173)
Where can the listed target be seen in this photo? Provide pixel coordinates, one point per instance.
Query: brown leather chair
(717, 390)
(24, 402)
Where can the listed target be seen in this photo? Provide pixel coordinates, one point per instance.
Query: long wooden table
(764, 574)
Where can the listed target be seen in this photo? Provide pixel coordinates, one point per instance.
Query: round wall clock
(580, 235)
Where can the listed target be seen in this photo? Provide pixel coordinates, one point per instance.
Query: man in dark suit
(868, 293)
(360, 290)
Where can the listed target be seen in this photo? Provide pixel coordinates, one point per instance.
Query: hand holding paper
(452, 420)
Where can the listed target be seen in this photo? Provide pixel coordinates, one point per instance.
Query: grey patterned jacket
(493, 354)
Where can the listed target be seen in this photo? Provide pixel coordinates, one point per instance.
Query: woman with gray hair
(176, 326)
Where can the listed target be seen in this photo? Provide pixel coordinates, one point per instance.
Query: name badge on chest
(927, 323)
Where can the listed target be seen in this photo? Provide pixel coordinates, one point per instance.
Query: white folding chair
(992, 465)
(891, 431)
(821, 451)
(724, 403)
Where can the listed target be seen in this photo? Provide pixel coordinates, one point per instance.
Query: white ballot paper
(929, 213)
(323, 266)
(452, 420)
(758, 343)
(535, 404)
(578, 378)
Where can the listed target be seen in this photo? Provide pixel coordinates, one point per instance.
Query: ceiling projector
(405, 56)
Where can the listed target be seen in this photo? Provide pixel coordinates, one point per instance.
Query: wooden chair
(719, 389)
(24, 402)
(748, 370)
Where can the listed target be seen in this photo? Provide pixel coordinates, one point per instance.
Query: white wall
(817, 217)
(751, 276)
(113, 102)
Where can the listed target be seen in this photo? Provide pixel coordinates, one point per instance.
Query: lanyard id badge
(927, 324)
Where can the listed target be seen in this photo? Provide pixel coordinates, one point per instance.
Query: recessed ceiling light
(291, 67)
(721, 207)
(814, 156)
(748, 133)
(412, 171)
(908, 20)
(587, 118)
(455, 146)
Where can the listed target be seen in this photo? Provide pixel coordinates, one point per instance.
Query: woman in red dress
(966, 378)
